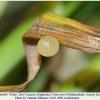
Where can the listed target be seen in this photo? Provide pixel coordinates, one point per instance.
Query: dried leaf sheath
(32, 55)
(69, 33)
(34, 61)
(16, 88)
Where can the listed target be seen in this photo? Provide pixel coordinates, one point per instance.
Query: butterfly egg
(48, 46)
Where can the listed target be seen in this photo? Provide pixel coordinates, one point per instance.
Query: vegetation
(82, 69)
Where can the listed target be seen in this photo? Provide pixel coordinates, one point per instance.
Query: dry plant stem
(68, 32)
(15, 88)
(34, 62)
(32, 55)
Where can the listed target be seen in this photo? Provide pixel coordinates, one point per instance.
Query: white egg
(48, 46)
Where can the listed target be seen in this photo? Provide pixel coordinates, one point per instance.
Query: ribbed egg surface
(48, 46)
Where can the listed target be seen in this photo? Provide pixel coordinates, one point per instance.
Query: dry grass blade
(34, 61)
(16, 88)
(33, 57)
(68, 32)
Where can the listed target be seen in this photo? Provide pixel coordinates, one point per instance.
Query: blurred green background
(76, 71)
